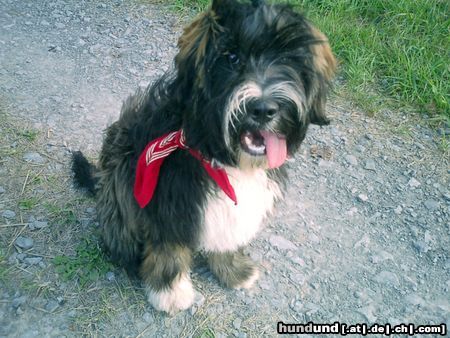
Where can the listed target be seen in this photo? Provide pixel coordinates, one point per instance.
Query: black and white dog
(195, 162)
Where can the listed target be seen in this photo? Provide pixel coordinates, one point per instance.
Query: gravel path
(363, 235)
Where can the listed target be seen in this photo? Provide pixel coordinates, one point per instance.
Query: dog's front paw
(179, 296)
(233, 269)
(250, 281)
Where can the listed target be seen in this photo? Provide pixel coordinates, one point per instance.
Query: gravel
(24, 243)
(362, 236)
(9, 214)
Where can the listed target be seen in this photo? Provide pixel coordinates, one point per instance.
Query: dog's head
(251, 77)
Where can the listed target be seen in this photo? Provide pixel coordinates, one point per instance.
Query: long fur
(233, 59)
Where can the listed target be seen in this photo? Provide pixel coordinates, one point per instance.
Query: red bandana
(152, 158)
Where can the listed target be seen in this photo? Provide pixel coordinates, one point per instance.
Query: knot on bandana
(153, 156)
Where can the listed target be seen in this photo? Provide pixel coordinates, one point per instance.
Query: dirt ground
(362, 236)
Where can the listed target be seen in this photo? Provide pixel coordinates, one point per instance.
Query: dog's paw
(250, 281)
(180, 296)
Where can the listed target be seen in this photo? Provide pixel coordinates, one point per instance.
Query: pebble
(367, 312)
(32, 260)
(282, 243)
(237, 323)
(2, 190)
(148, 318)
(9, 214)
(33, 158)
(24, 243)
(18, 301)
(363, 198)
(60, 25)
(421, 246)
(351, 160)
(51, 306)
(360, 148)
(413, 183)
(415, 300)
(398, 210)
(298, 260)
(381, 257)
(110, 276)
(387, 277)
(298, 278)
(370, 165)
(37, 225)
(431, 204)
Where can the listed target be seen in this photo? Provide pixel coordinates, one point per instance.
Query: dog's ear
(196, 41)
(257, 3)
(325, 65)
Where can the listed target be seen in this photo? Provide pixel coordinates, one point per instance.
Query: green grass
(86, 266)
(392, 53)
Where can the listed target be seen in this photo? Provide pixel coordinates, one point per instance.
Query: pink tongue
(275, 149)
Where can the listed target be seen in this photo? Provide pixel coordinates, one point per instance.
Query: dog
(195, 162)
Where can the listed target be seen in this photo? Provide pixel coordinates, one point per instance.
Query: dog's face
(251, 78)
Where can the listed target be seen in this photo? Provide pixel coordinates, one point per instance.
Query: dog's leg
(233, 269)
(165, 270)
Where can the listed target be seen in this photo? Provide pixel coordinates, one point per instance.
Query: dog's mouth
(265, 143)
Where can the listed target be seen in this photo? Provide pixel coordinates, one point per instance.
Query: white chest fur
(228, 226)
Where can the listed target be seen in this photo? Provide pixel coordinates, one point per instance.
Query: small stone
(18, 301)
(2, 190)
(363, 198)
(367, 312)
(32, 260)
(381, 256)
(398, 210)
(298, 278)
(199, 299)
(24, 243)
(90, 210)
(370, 165)
(282, 243)
(60, 25)
(148, 318)
(110, 276)
(421, 246)
(413, 183)
(298, 260)
(351, 160)
(446, 196)
(387, 277)
(45, 23)
(237, 323)
(9, 214)
(21, 257)
(51, 306)
(39, 224)
(33, 158)
(431, 204)
(368, 136)
(415, 300)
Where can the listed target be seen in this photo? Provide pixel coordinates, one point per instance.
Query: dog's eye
(233, 58)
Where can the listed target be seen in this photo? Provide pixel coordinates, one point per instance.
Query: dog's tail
(84, 173)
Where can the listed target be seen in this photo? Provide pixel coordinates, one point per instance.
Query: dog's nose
(264, 110)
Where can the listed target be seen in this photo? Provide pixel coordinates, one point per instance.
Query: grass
(393, 53)
(86, 266)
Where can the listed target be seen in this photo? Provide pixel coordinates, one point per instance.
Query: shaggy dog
(195, 162)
